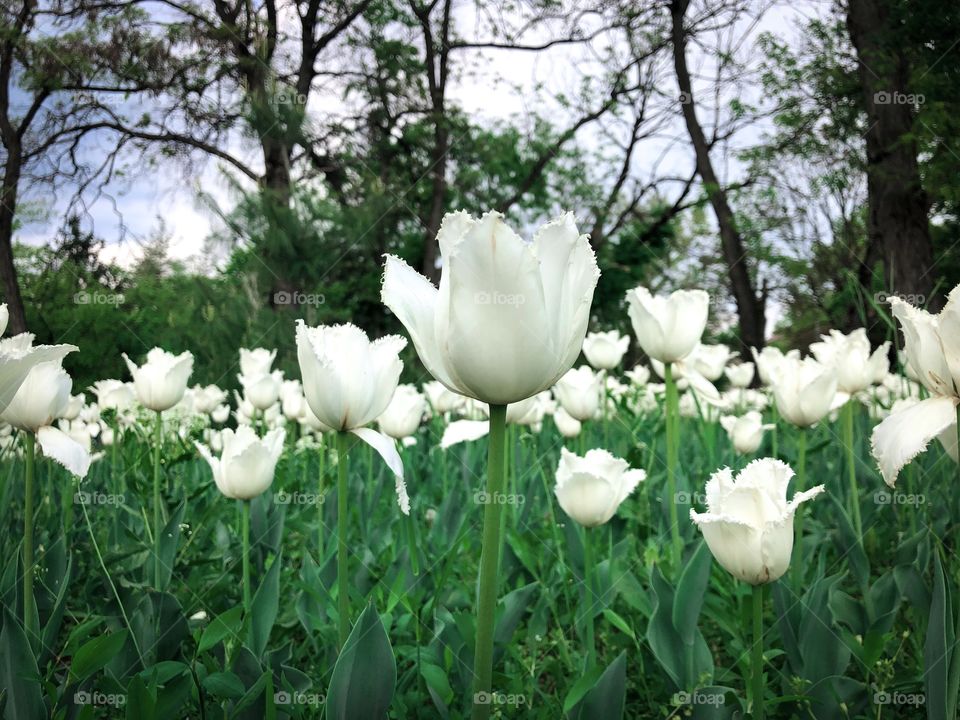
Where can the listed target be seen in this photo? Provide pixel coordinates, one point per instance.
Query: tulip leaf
(941, 665)
(607, 697)
(685, 664)
(141, 702)
(169, 539)
(510, 611)
(224, 624)
(95, 654)
(19, 676)
(365, 675)
(263, 609)
(691, 591)
(224, 685)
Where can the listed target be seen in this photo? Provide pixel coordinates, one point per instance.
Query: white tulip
(404, 413)
(73, 407)
(748, 525)
(442, 400)
(849, 355)
(510, 316)
(41, 399)
(4, 318)
(739, 375)
(605, 350)
(18, 356)
(207, 399)
(220, 413)
(348, 382)
(568, 426)
(640, 375)
(162, 380)
(246, 466)
(262, 390)
(578, 392)
(769, 360)
(933, 351)
(709, 360)
(591, 488)
(292, 401)
(805, 390)
(530, 412)
(746, 431)
(668, 327)
(256, 362)
(113, 394)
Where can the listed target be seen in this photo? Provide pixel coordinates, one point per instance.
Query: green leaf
(223, 625)
(691, 591)
(607, 696)
(263, 609)
(224, 684)
(95, 654)
(169, 539)
(19, 677)
(141, 703)
(619, 623)
(939, 651)
(365, 675)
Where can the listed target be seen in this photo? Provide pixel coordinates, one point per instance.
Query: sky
(166, 194)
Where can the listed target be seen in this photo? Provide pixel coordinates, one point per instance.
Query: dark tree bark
(751, 306)
(898, 220)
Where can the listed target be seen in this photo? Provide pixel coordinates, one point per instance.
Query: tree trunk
(8, 271)
(751, 307)
(898, 220)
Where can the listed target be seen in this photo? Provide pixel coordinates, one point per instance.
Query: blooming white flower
(640, 375)
(442, 400)
(709, 360)
(591, 488)
(746, 431)
(804, 390)
(933, 351)
(247, 463)
(739, 375)
(404, 413)
(578, 392)
(748, 525)
(262, 390)
(668, 327)
(114, 394)
(161, 381)
(769, 360)
(605, 350)
(849, 355)
(568, 426)
(510, 316)
(256, 362)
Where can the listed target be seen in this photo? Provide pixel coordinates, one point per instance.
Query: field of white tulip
(528, 529)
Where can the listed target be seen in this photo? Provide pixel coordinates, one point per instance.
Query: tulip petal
(463, 431)
(387, 449)
(906, 433)
(949, 332)
(59, 446)
(14, 369)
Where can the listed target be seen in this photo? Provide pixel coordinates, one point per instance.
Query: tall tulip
(243, 471)
(507, 322)
(668, 328)
(748, 527)
(348, 382)
(605, 350)
(746, 431)
(933, 355)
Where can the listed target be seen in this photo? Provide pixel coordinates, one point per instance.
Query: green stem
(489, 561)
(29, 609)
(756, 662)
(798, 523)
(343, 590)
(157, 442)
(852, 468)
(321, 489)
(246, 555)
(672, 427)
(587, 578)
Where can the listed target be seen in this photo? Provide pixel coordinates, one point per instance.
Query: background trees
(726, 145)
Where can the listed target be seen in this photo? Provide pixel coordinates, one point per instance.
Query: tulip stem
(157, 442)
(756, 663)
(343, 591)
(852, 468)
(671, 430)
(489, 562)
(588, 583)
(800, 487)
(321, 486)
(29, 608)
(245, 525)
